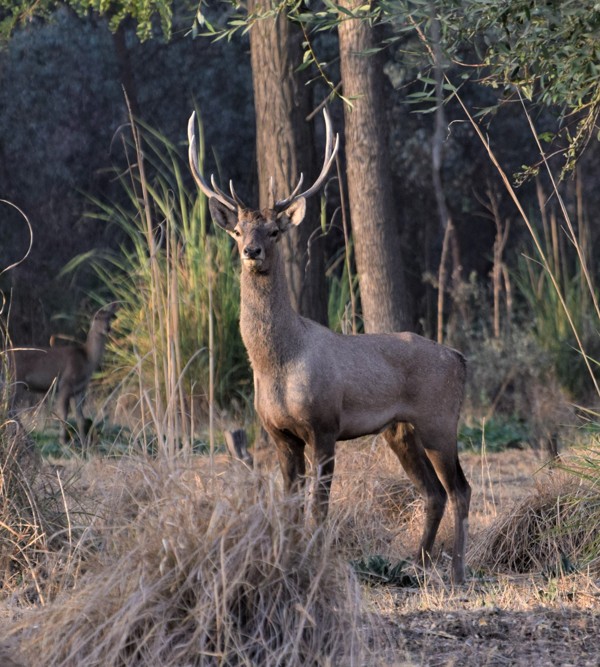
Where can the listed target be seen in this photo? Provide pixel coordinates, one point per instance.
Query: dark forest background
(63, 130)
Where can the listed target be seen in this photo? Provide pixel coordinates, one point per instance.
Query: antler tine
(284, 203)
(218, 190)
(202, 184)
(236, 199)
(331, 150)
(298, 186)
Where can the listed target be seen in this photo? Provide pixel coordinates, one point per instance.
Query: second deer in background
(65, 370)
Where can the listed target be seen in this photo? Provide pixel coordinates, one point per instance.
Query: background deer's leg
(15, 396)
(79, 401)
(405, 443)
(442, 452)
(62, 409)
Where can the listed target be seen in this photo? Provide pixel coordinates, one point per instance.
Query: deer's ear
(222, 215)
(293, 214)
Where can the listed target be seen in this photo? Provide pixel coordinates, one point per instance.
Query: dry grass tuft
(208, 572)
(378, 509)
(36, 533)
(552, 530)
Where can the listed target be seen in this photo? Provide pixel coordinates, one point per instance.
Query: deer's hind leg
(441, 450)
(407, 446)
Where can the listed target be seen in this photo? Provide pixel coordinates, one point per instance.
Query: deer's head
(257, 232)
(102, 320)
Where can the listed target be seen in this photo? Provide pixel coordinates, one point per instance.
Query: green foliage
(378, 571)
(145, 13)
(548, 51)
(339, 305)
(171, 277)
(494, 435)
(550, 323)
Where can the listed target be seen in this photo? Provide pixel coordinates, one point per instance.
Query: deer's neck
(94, 348)
(271, 328)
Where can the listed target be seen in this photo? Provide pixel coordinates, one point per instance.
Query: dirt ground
(504, 619)
(496, 618)
(496, 637)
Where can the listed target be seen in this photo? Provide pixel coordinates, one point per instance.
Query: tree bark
(285, 148)
(376, 224)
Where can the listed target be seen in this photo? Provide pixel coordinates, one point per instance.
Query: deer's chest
(286, 400)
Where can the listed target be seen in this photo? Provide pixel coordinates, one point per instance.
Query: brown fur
(65, 369)
(314, 387)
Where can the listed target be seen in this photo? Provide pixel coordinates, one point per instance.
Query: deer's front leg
(290, 453)
(79, 416)
(324, 449)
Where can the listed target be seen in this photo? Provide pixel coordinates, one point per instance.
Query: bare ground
(497, 618)
(538, 637)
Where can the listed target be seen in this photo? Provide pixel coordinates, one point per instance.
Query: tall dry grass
(209, 571)
(176, 356)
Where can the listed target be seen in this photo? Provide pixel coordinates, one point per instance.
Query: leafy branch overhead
(545, 52)
(548, 51)
(147, 14)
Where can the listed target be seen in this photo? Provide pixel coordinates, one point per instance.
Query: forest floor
(497, 618)
(529, 620)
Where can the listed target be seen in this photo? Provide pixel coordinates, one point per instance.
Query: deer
(314, 387)
(64, 369)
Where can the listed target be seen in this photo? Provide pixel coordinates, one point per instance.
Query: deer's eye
(237, 233)
(274, 234)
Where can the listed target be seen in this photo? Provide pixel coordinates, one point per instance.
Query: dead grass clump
(553, 530)
(35, 529)
(209, 572)
(378, 509)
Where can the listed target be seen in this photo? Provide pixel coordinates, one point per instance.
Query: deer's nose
(252, 252)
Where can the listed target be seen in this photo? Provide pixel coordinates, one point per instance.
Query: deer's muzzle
(253, 257)
(253, 252)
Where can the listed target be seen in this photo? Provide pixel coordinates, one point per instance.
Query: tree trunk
(285, 148)
(376, 225)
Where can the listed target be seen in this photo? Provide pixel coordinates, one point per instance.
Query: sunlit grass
(174, 282)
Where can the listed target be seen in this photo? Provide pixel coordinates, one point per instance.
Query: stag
(315, 387)
(65, 369)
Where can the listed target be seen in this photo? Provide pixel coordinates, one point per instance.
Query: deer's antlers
(233, 202)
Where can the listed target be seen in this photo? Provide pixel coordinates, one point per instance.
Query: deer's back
(39, 368)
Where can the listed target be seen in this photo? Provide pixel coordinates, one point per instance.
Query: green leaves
(378, 571)
(145, 12)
